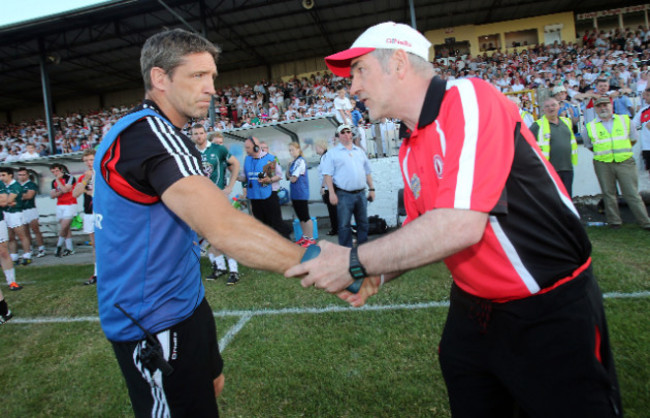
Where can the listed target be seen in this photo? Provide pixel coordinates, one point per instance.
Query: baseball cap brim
(339, 63)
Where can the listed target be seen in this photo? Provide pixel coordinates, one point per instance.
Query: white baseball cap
(557, 90)
(387, 35)
(342, 127)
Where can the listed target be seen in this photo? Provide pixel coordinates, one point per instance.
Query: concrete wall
(473, 33)
(387, 179)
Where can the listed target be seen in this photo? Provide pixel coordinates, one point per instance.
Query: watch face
(356, 272)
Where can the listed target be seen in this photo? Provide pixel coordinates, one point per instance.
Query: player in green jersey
(216, 160)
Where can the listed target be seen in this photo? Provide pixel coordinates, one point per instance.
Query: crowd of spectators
(620, 56)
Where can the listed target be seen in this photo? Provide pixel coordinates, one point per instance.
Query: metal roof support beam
(414, 24)
(204, 33)
(291, 134)
(47, 97)
(233, 136)
(179, 17)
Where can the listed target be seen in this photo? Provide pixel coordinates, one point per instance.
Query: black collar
(150, 104)
(431, 106)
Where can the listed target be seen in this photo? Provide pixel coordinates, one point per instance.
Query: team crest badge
(416, 187)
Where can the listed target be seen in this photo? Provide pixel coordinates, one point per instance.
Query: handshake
(326, 267)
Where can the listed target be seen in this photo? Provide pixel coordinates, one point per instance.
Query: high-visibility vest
(611, 147)
(544, 138)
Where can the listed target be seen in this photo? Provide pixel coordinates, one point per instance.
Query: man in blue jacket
(151, 199)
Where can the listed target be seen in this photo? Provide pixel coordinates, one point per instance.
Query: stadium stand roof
(95, 50)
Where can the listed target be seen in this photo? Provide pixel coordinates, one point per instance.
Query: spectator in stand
(623, 104)
(575, 67)
(342, 107)
(356, 114)
(602, 89)
(526, 116)
(30, 153)
(566, 109)
(13, 156)
(642, 121)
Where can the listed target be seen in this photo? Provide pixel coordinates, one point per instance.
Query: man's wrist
(356, 269)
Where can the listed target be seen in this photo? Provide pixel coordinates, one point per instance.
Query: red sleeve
(478, 124)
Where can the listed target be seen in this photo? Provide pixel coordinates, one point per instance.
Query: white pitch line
(330, 309)
(223, 343)
(293, 311)
(619, 295)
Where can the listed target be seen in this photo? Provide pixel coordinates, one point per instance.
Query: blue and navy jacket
(147, 257)
(253, 167)
(300, 189)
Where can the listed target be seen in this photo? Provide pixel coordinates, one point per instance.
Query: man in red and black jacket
(526, 329)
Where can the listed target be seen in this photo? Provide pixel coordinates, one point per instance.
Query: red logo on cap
(398, 42)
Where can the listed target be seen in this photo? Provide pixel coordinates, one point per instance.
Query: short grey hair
(166, 50)
(419, 64)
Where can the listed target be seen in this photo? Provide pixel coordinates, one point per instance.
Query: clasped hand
(329, 271)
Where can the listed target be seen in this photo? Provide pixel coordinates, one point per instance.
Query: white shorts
(14, 220)
(30, 215)
(4, 234)
(65, 212)
(89, 223)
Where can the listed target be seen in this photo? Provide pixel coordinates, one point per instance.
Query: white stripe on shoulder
(174, 145)
(178, 142)
(443, 138)
(467, 160)
(405, 168)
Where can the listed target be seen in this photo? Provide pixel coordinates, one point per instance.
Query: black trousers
(269, 213)
(331, 211)
(544, 356)
(192, 350)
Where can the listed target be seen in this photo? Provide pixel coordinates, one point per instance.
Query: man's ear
(158, 78)
(399, 62)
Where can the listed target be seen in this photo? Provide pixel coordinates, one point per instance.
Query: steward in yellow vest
(544, 138)
(612, 137)
(611, 147)
(555, 138)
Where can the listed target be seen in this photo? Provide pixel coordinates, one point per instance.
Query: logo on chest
(416, 186)
(438, 165)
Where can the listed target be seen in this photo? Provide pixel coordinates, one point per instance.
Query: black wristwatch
(356, 268)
